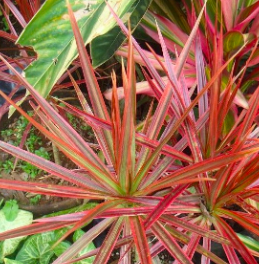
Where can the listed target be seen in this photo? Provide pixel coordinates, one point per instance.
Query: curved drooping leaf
(113, 39)
(50, 34)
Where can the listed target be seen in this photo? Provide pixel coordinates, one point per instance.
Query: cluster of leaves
(184, 178)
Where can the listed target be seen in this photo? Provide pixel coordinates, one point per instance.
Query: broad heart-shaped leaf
(8, 246)
(113, 39)
(38, 248)
(50, 34)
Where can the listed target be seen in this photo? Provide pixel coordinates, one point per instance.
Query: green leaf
(8, 246)
(11, 261)
(61, 248)
(37, 248)
(229, 121)
(10, 210)
(49, 33)
(113, 39)
(232, 41)
(79, 233)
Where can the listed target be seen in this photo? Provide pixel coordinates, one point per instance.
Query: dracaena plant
(177, 183)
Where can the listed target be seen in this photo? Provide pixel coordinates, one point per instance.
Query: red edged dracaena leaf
(81, 243)
(127, 138)
(240, 219)
(252, 193)
(206, 243)
(15, 11)
(48, 166)
(90, 215)
(225, 230)
(247, 206)
(140, 239)
(155, 127)
(8, 36)
(176, 182)
(179, 91)
(184, 53)
(252, 217)
(54, 190)
(109, 242)
(170, 243)
(120, 212)
(213, 134)
(193, 228)
(125, 252)
(33, 229)
(97, 130)
(240, 178)
(162, 166)
(216, 188)
(82, 152)
(115, 122)
(244, 185)
(185, 239)
(250, 115)
(163, 205)
(29, 9)
(80, 95)
(190, 249)
(201, 82)
(97, 101)
(119, 244)
(244, 176)
(89, 119)
(175, 41)
(200, 167)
